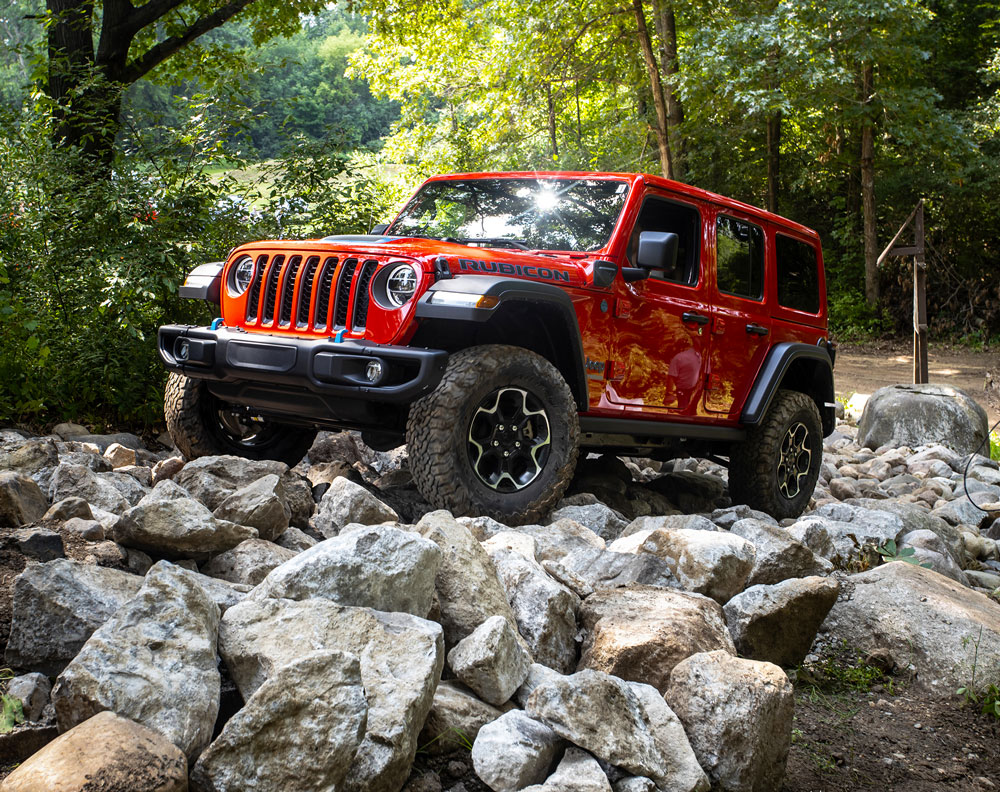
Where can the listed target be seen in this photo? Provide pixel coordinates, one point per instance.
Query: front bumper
(257, 362)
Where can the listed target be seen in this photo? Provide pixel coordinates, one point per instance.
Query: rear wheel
(775, 469)
(498, 436)
(200, 424)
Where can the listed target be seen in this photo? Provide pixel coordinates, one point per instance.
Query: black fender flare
(776, 365)
(204, 282)
(437, 303)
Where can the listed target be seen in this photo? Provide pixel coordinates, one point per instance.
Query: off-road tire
(192, 412)
(439, 425)
(754, 464)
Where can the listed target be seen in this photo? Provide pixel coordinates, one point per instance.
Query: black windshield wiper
(495, 241)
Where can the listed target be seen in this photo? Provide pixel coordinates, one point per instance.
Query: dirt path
(864, 368)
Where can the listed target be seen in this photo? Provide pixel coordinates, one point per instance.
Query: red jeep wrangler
(505, 321)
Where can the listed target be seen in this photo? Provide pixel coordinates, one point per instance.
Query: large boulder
(913, 415)
(305, 722)
(248, 563)
(779, 623)
(602, 520)
(577, 772)
(346, 502)
(491, 661)
(621, 723)
(379, 567)
(545, 610)
(455, 718)
(778, 556)
(261, 504)
(467, 585)
(597, 569)
(213, 479)
(104, 752)
(922, 620)
(80, 481)
(401, 661)
(515, 751)
(21, 500)
(57, 606)
(744, 745)
(178, 528)
(640, 633)
(153, 662)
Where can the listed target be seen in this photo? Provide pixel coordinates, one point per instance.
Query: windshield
(535, 214)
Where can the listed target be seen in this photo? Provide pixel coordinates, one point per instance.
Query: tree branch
(155, 55)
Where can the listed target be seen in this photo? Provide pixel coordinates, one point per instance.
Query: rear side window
(798, 274)
(739, 258)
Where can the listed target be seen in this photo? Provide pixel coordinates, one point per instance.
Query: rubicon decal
(506, 268)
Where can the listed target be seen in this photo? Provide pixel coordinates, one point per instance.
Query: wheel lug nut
(500, 427)
(496, 442)
(506, 453)
(517, 445)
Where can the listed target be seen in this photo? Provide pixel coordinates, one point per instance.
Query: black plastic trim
(204, 282)
(637, 428)
(776, 365)
(320, 366)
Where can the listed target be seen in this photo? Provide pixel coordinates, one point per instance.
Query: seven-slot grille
(321, 293)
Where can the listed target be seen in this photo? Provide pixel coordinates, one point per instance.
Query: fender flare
(204, 282)
(777, 363)
(501, 291)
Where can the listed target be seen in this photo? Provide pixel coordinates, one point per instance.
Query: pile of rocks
(225, 624)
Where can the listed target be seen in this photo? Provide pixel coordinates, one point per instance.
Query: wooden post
(919, 301)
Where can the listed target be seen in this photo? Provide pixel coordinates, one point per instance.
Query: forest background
(137, 141)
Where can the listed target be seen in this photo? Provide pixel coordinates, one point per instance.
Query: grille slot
(343, 299)
(304, 290)
(253, 301)
(271, 289)
(288, 289)
(361, 296)
(322, 309)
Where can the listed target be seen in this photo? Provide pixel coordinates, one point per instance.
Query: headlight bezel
(391, 295)
(233, 279)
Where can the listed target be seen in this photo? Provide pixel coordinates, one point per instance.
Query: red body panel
(643, 359)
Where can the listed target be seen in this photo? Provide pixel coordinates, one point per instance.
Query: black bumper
(258, 364)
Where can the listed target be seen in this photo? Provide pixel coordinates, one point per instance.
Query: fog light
(374, 371)
(182, 349)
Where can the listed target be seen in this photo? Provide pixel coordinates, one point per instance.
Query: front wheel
(200, 424)
(775, 469)
(498, 436)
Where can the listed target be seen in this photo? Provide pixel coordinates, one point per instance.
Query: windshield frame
(569, 178)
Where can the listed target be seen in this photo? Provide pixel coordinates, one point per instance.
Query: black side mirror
(657, 250)
(379, 229)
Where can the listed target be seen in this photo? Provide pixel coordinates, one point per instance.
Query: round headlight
(241, 275)
(401, 284)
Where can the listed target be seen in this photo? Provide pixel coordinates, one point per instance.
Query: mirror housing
(657, 250)
(379, 229)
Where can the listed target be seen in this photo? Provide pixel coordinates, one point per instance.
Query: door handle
(757, 329)
(694, 316)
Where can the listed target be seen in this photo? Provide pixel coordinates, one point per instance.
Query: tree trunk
(868, 185)
(666, 30)
(659, 102)
(773, 160)
(552, 122)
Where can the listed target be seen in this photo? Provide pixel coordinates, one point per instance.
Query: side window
(798, 274)
(739, 262)
(658, 214)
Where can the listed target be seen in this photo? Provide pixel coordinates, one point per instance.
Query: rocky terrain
(224, 624)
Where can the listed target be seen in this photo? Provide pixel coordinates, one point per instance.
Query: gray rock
(744, 745)
(634, 784)
(68, 508)
(778, 556)
(916, 519)
(670, 522)
(537, 675)
(379, 567)
(515, 751)
(983, 579)
(467, 586)
(180, 528)
(520, 543)
(56, 608)
(942, 563)
(39, 543)
(21, 501)
(778, 623)
(606, 569)
(165, 490)
(32, 690)
(401, 660)
(105, 441)
(262, 505)
(608, 717)
(69, 430)
(455, 718)
(545, 610)
(346, 502)
(91, 530)
(668, 734)
(961, 511)
(602, 520)
(577, 772)
(77, 480)
(640, 633)
(248, 563)
(561, 538)
(295, 540)
(126, 484)
(913, 415)
(727, 518)
(305, 722)
(31, 459)
(221, 592)
(212, 479)
(153, 662)
(924, 621)
(491, 661)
